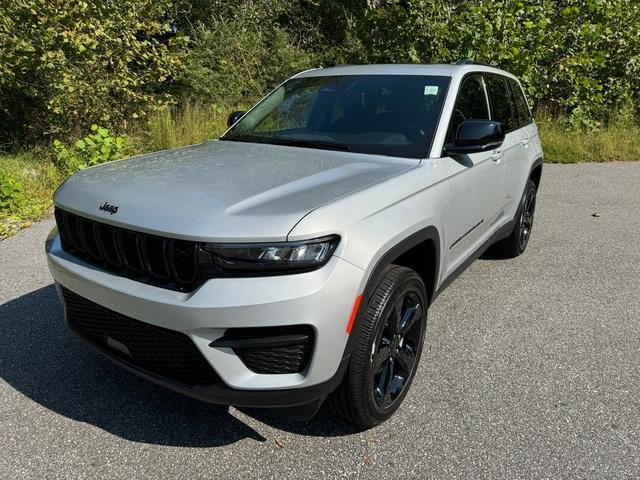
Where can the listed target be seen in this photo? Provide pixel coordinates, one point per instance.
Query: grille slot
(162, 351)
(159, 261)
(87, 229)
(63, 228)
(129, 246)
(74, 230)
(107, 238)
(184, 260)
(156, 257)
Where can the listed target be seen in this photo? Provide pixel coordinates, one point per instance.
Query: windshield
(380, 114)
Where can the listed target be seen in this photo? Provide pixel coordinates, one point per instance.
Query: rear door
(504, 110)
(517, 171)
(476, 190)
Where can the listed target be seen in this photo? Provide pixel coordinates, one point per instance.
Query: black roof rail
(467, 61)
(333, 65)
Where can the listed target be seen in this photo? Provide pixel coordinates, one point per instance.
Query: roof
(448, 70)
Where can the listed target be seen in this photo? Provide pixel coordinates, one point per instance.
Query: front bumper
(322, 299)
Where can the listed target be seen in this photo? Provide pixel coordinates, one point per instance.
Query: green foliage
(97, 147)
(64, 64)
(11, 192)
(235, 61)
(324, 29)
(37, 178)
(578, 57)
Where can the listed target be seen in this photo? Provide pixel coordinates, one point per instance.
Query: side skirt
(500, 234)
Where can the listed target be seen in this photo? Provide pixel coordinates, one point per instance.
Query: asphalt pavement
(531, 370)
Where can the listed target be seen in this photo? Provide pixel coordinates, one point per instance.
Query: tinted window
(381, 114)
(500, 99)
(470, 104)
(521, 107)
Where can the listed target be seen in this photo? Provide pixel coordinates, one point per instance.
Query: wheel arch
(535, 173)
(419, 251)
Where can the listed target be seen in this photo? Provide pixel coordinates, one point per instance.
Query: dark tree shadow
(43, 360)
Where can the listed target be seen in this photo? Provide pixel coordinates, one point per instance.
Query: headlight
(258, 258)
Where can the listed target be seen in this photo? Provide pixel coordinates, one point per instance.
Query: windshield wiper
(295, 142)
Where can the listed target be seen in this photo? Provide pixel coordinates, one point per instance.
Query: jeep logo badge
(109, 208)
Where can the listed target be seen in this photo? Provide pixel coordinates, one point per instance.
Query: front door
(477, 185)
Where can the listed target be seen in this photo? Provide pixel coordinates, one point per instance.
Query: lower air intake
(271, 350)
(161, 351)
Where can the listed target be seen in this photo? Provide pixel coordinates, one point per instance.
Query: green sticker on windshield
(430, 89)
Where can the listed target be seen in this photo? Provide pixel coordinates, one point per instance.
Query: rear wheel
(516, 243)
(386, 357)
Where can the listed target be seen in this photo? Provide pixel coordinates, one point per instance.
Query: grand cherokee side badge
(109, 208)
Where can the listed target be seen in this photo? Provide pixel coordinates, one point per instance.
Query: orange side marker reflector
(354, 312)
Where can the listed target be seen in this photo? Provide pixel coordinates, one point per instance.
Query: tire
(516, 243)
(385, 358)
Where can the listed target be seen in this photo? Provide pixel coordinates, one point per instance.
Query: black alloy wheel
(526, 218)
(393, 357)
(516, 243)
(385, 357)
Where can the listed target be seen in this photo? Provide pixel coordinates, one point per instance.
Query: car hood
(222, 190)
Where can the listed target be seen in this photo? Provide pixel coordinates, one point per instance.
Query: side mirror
(234, 117)
(476, 136)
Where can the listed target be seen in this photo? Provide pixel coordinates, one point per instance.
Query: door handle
(525, 142)
(496, 156)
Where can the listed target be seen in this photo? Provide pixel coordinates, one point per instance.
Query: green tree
(579, 57)
(65, 64)
(236, 55)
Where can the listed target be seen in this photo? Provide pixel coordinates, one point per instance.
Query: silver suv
(293, 260)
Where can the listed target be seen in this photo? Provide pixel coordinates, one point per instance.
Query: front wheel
(385, 358)
(516, 243)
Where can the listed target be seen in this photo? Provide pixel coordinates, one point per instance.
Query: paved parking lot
(531, 369)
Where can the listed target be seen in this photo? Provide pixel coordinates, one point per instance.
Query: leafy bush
(65, 62)
(577, 58)
(98, 147)
(37, 178)
(11, 193)
(235, 61)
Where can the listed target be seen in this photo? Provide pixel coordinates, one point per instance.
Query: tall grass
(619, 141)
(39, 177)
(178, 126)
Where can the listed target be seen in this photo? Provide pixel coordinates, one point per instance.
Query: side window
(500, 99)
(470, 104)
(521, 107)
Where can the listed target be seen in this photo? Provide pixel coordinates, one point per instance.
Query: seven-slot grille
(160, 261)
(162, 351)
